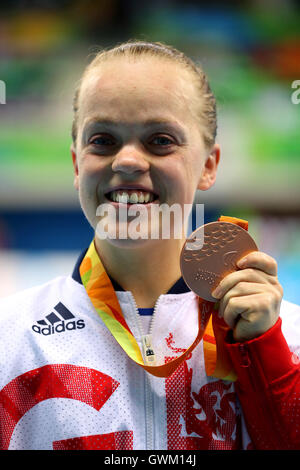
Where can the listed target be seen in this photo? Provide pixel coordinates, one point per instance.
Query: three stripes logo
(58, 322)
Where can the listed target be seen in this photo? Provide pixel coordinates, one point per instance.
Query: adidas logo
(60, 321)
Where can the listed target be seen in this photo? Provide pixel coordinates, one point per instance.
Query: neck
(147, 271)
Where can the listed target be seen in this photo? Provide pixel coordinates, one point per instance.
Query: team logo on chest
(60, 321)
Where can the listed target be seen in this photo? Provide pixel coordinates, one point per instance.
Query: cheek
(89, 178)
(87, 193)
(179, 183)
(195, 168)
(90, 173)
(188, 170)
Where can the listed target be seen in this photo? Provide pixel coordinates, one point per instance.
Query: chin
(128, 244)
(126, 237)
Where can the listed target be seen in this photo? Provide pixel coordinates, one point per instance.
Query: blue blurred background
(251, 53)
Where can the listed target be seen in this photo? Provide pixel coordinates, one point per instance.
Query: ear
(209, 172)
(75, 165)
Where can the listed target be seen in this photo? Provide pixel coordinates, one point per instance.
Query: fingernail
(242, 263)
(216, 293)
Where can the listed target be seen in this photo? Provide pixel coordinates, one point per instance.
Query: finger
(241, 288)
(245, 330)
(259, 260)
(251, 324)
(233, 310)
(250, 308)
(247, 275)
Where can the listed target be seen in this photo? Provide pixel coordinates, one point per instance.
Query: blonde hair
(207, 111)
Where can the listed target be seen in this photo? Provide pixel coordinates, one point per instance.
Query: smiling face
(137, 129)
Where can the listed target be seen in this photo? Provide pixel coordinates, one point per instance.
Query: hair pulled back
(207, 104)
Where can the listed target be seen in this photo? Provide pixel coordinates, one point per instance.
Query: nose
(130, 160)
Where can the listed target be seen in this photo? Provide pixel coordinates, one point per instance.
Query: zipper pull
(148, 353)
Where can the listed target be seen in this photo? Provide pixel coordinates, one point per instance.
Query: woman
(143, 136)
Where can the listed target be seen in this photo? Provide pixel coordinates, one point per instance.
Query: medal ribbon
(104, 299)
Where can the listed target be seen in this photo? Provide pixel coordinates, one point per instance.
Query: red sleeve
(268, 386)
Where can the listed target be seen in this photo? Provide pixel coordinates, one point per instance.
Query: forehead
(143, 89)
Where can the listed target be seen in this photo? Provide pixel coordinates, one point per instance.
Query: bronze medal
(210, 253)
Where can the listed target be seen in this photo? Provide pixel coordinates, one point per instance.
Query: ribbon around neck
(211, 328)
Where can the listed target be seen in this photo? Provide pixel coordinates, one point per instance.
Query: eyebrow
(93, 123)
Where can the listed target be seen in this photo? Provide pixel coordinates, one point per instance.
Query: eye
(161, 140)
(102, 140)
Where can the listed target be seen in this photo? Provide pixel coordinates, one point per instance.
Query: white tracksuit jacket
(67, 384)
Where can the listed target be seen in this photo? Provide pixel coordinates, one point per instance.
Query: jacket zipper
(147, 346)
(245, 358)
(148, 355)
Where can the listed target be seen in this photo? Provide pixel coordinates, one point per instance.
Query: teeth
(123, 198)
(132, 198)
(140, 198)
